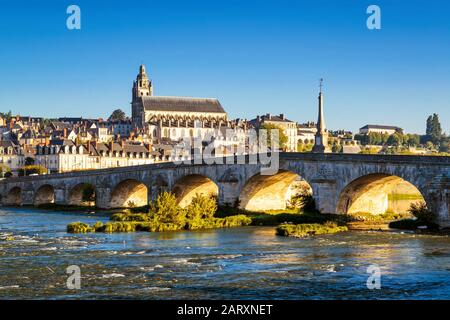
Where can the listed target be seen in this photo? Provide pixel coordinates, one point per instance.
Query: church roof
(182, 104)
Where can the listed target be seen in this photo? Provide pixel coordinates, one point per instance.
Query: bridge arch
(186, 188)
(129, 193)
(44, 194)
(378, 193)
(82, 194)
(14, 197)
(272, 192)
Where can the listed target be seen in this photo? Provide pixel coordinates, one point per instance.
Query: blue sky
(255, 56)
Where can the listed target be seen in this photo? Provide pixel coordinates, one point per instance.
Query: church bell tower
(142, 86)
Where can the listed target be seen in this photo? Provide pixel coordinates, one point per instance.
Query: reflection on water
(242, 263)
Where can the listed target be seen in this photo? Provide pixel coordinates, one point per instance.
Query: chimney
(111, 146)
(268, 116)
(281, 116)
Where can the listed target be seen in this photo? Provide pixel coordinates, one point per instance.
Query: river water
(240, 263)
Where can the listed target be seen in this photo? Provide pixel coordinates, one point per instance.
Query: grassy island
(307, 229)
(164, 214)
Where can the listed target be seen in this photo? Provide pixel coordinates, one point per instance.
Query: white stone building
(289, 127)
(11, 156)
(379, 129)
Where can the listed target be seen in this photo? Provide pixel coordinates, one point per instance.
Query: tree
(395, 140)
(412, 140)
(166, 210)
(282, 137)
(434, 129)
(429, 126)
(33, 169)
(4, 170)
(7, 116)
(117, 115)
(445, 145)
(336, 148)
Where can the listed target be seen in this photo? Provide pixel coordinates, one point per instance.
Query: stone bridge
(340, 183)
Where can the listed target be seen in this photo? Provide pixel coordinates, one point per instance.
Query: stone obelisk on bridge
(321, 140)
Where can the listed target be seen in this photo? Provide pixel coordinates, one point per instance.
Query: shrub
(421, 212)
(33, 169)
(166, 210)
(130, 217)
(79, 227)
(201, 207)
(307, 203)
(211, 223)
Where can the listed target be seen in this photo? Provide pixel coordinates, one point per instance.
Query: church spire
(321, 141)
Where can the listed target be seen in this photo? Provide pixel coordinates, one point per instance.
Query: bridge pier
(27, 197)
(103, 197)
(439, 203)
(325, 196)
(60, 196)
(228, 193)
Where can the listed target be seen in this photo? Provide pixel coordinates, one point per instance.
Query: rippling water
(241, 263)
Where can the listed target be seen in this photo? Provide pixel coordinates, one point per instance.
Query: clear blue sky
(255, 56)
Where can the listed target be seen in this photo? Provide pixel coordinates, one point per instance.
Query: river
(240, 263)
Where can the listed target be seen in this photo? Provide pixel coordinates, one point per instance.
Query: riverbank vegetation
(164, 214)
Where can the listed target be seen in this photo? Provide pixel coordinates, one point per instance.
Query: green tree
(434, 129)
(336, 147)
(445, 145)
(412, 140)
(201, 207)
(33, 169)
(165, 209)
(282, 137)
(7, 116)
(117, 115)
(4, 170)
(395, 140)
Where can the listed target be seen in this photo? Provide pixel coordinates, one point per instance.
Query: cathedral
(174, 117)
